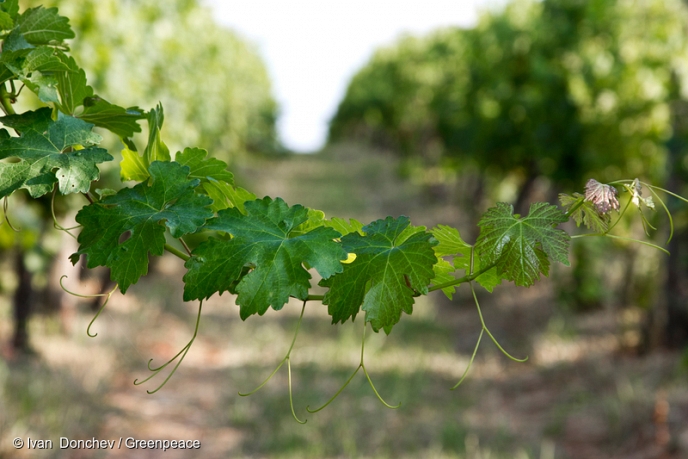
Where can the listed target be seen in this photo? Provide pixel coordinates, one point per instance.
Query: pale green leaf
(586, 214)
(132, 166)
(344, 227)
(156, 150)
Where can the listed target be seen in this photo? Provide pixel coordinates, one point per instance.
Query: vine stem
(462, 280)
(186, 247)
(6, 100)
(94, 295)
(175, 251)
(287, 359)
(574, 207)
(630, 239)
(182, 353)
(6, 217)
(494, 340)
(361, 366)
(56, 225)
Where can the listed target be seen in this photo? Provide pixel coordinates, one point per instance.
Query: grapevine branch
(261, 250)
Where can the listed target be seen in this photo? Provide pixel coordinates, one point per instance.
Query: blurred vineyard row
(536, 99)
(212, 83)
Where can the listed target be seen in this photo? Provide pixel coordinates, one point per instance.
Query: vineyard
(273, 257)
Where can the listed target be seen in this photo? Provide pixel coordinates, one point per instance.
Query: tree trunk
(21, 304)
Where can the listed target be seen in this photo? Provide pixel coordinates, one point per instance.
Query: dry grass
(580, 395)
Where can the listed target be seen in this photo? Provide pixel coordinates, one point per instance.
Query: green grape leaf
(6, 22)
(36, 68)
(344, 227)
(38, 120)
(262, 243)
(133, 166)
(44, 59)
(11, 7)
(43, 156)
(13, 43)
(521, 247)
(451, 244)
(204, 168)
(385, 276)
(44, 86)
(5, 73)
(74, 93)
(156, 150)
(316, 218)
(72, 86)
(118, 120)
(41, 26)
(226, 196)
(587, 214)
(140, 214)
(443, 273)
(216, 180)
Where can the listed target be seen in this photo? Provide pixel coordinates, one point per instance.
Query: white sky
(313, 47)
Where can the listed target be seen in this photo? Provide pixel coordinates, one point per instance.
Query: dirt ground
(582, 393)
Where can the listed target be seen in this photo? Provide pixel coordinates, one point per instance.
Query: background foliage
(212, 83)
(579, 391)
(564, 89)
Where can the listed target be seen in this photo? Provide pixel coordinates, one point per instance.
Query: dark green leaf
(116, 119)
(5, 73)
(11, 7)
(204, 168)
(38, 120)
(43, 156)
(262, 241)
(15, 41)
(521, 247)
(44, 59)
(44, 86)
(72, 87)
(316, 218)
(141, 213)
(394, 263)
(41, 26)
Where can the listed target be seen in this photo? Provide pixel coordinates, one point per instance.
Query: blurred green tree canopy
(565, 89)
(212, 83)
